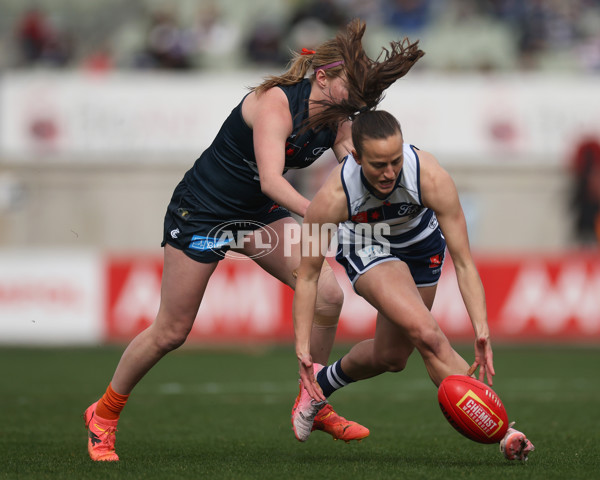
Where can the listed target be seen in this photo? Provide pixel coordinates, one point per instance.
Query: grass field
(225, 415)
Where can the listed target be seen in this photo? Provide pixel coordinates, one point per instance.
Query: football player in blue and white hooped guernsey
(398, 210)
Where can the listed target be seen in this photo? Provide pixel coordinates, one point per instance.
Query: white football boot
(515, 445)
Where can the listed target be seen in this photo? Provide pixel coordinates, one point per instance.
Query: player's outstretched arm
(439, 193)
(327, 209)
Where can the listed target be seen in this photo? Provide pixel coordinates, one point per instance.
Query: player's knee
(171, 341)
(428, 339)
(171, 337)
(390, 361)
(330, 298)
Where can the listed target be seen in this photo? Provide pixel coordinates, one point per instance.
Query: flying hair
(325, 57)
(367, 79)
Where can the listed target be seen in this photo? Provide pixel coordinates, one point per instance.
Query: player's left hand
(484, 359)
(307, 377)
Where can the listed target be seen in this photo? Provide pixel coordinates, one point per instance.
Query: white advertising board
(51, 298)
(461, 118)
(94, 117)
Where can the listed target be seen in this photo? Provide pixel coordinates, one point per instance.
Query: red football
(473, 408)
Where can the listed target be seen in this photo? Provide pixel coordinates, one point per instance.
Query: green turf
(225, 415)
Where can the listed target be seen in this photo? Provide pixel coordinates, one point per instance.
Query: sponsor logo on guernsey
(202, 243)
(475, 410)
(386, 210)
(408, 210)
(435, 264)
(317, 152)
(435, 261)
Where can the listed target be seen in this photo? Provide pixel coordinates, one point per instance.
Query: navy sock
(332, 378)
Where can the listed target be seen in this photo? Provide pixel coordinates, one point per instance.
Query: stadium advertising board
(51, 298)
(530, 299)
(60, 298)
(468, 117)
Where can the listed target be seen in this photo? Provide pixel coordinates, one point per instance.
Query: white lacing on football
(492, 396)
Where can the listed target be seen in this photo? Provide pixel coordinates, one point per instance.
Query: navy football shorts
(205, 236)
(424, 259)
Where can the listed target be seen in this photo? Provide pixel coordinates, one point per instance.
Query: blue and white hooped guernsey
(402, 210)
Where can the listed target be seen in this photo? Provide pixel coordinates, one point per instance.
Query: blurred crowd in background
(474, 35)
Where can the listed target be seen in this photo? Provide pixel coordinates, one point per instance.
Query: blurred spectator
(547, 28)
(264, 46)
(327, 11)
(464, 37)
(313, 21)
(371, 11)
(588, 47)
(168, 46)
(40, 42)
(216, 39)
(506, 10)
(308, 33)
(586, 194)
(33, 34)
(408, 16)
(589, 53)
(458, 34)
(534, 28)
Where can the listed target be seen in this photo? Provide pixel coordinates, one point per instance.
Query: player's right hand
(307, 377)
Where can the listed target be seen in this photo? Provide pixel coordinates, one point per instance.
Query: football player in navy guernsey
(237, 188)
(397, 211)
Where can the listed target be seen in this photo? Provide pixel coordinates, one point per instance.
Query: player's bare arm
(440, 194)
(327, 208)
(269, 117)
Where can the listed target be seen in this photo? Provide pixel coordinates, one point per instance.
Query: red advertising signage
(242, 303)
(530, 298)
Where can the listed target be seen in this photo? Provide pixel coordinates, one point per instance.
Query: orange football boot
(337, 426)
(308, 416)
(101, 436)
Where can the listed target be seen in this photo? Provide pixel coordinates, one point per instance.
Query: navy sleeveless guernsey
(225, 181)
